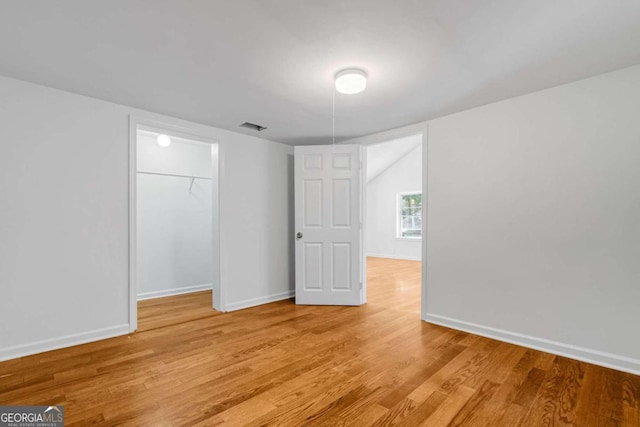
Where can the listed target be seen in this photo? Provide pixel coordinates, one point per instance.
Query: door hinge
(360, 285)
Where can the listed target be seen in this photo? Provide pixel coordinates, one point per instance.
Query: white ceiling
(381, 156)
(223, 62)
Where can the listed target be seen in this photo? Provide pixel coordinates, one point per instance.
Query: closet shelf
(175, 174)
(192, 177)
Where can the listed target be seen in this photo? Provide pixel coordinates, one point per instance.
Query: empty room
(305, 213)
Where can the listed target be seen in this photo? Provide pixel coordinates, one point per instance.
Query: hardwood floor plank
(529, 390)
(452, 405)
(570, 391)
(396, 414)
(451, 372)
(588, 407)
(475, 410)
(504, 410)
(367, 416)
(287, 365)
(630, 402)
(612, 395)
(424, 410)
(545, 407)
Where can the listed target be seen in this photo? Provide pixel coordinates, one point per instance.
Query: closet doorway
(174, 227)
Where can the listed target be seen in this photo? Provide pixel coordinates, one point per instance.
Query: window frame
(399, 205)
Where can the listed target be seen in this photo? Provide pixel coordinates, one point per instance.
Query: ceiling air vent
(252, 126)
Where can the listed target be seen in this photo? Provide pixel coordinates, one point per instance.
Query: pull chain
(333, 118)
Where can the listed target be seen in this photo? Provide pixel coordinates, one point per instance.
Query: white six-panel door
(328, 224)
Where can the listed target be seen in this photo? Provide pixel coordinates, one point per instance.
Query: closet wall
(174, 248)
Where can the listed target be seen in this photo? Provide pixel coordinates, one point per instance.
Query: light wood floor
(281, 364)
(162, 312)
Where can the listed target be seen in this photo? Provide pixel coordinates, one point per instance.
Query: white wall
(382, 207)
(64, 217)
(533, 228)
(257, 222)
(532, 219)
(174, 226)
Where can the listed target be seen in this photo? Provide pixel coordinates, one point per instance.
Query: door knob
(299, 235)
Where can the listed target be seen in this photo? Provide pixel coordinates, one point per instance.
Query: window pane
(411, 215)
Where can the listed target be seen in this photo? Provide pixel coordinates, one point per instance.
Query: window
(410, 215)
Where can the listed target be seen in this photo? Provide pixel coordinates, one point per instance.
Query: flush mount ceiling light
(351, 81)
(163, 140)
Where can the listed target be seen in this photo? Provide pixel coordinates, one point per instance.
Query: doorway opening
(174, 252)
(393, 227)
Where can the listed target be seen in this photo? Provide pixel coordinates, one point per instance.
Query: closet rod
(175, 174)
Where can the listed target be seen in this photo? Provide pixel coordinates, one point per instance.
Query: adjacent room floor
(282, 364)
(162, 312)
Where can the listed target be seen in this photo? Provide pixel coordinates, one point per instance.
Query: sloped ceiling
(381, 156)
(222, 62)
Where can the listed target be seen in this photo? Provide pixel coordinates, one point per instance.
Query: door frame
(180, 131)
(388, 136)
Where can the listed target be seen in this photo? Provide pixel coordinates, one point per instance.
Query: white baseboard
(404, 257)
(608, 360)
(62, 342)
(259, 301)
(175, 291)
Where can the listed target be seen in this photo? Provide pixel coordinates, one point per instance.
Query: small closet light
(164, 140)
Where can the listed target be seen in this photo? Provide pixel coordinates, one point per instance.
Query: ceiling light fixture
(351, 81)
(163, 140)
